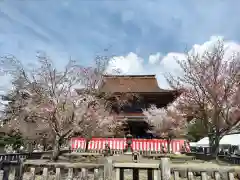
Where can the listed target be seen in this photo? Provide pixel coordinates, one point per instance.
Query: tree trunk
(168, 145)
(44, 144)
(56, 149)
(29, 146)
(214, 141)
(87, 143)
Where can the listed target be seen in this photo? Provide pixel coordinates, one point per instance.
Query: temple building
(147, 92)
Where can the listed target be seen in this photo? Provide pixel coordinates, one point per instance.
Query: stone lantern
(128, 149)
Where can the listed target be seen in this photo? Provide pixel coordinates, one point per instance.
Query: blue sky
(132, 30)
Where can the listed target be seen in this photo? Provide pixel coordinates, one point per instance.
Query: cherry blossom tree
(16, 122)
(210, 82)
(167, 123)
(50, 104)
(237, 101)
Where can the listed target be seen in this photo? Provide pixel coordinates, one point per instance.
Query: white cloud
(154, 58)
(130, 64)
(201, 48)
(160, 65)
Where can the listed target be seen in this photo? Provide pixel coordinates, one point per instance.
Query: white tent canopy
(204, 142)
(192, 144)
(232, 139)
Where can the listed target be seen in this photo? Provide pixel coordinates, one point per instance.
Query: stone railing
(44, 171)
(112, 170)
(166, 171)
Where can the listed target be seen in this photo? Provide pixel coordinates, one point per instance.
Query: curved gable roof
(131, 83)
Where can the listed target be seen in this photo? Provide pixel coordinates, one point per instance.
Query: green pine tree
(196, 131)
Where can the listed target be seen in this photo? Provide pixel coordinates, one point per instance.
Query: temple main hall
(147, 92)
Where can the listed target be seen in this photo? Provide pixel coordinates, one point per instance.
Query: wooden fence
(228, 158)
(13, 156)
(26, 155)
(110, 170)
